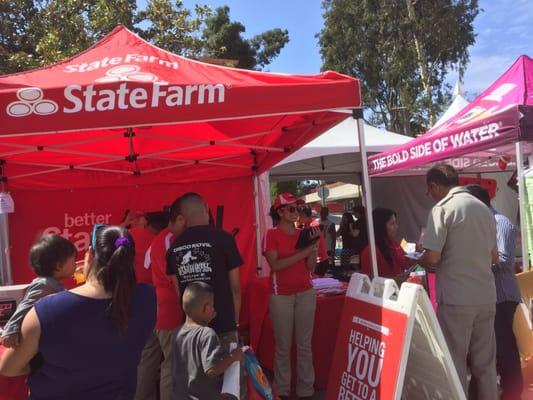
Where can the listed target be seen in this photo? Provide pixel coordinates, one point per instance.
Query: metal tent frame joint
(132, 157)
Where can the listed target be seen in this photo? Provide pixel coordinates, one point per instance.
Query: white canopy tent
(335, 155)
(458, 103)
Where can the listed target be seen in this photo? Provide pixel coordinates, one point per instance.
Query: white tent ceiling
(334, 155)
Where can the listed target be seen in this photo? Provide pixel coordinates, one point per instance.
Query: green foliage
(105, 15)
(223, 39)
(402, 58)
(63, 30)
(298, 188)
(17, 35)
(283, 187)
(173, 27)
(41, 32)
(268, 45)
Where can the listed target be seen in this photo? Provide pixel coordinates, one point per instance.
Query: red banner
(368, 352)
(489, 184)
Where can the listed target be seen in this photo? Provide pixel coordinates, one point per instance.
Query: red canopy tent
(128, 125)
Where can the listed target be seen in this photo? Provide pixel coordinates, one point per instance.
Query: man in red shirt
(169, 317)
(143, 227)
(142, 237)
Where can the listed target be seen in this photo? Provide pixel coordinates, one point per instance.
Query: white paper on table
(231, 383)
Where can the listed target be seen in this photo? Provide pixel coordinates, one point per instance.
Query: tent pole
(6, 277)
(367, 191)
(258, 268)
(521, 204)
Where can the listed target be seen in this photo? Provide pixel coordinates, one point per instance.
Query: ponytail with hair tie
(113, 268)
(122, 241)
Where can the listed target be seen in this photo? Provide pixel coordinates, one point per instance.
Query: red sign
(368, 352)
(489, 184)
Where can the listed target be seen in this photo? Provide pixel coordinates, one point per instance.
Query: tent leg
(6, 278)
(258, 246)
(367, 192)
(521, 204)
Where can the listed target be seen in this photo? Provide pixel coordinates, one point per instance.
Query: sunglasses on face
(290, 209)
(94, 233)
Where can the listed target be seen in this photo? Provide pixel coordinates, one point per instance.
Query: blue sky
(504, 31)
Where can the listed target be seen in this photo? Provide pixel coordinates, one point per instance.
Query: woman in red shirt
(390, 256)
(293, 300)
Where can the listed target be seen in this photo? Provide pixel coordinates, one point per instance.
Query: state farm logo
(127, 59)
(128, 73)
(126, 94)
(30, 101)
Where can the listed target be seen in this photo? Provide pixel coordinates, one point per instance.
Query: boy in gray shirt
(52, 258)
(198, 358)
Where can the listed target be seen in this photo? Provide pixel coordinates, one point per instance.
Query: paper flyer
(231, 383)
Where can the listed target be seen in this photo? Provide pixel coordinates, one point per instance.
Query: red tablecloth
(12, 388)
(327, 317)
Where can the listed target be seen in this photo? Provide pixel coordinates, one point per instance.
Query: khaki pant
(148, 370)
(294, 313)
(469, 332)
(165, 378)
(151, 368)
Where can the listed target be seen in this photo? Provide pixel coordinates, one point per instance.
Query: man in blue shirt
(508, 298)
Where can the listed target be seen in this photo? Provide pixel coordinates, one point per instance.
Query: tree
(36, 33)
(41, 32)
(174, 27)
(401, 50)
(17, 35)
(223, 39)
(283, 187)
(104, 16)
(63, 30)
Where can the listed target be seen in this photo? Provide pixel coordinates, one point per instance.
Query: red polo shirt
(399, 261)
(142, 238)
(169, 312)
(293, 279)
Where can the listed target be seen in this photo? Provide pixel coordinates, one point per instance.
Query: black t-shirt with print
(207, 254)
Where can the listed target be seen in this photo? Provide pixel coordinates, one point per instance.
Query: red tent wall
(72, 214)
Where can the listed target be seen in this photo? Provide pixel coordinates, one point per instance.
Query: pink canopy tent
(496, 126)
(128, 125)
(476, 137)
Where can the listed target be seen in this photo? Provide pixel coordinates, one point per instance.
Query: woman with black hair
(90, 337)
(391, 258)
(293, 299)
(350, 243)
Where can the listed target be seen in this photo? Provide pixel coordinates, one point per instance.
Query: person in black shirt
(207, 254)
(203, 253)
(353, 239)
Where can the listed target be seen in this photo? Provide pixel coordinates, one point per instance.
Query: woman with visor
(292, 256)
